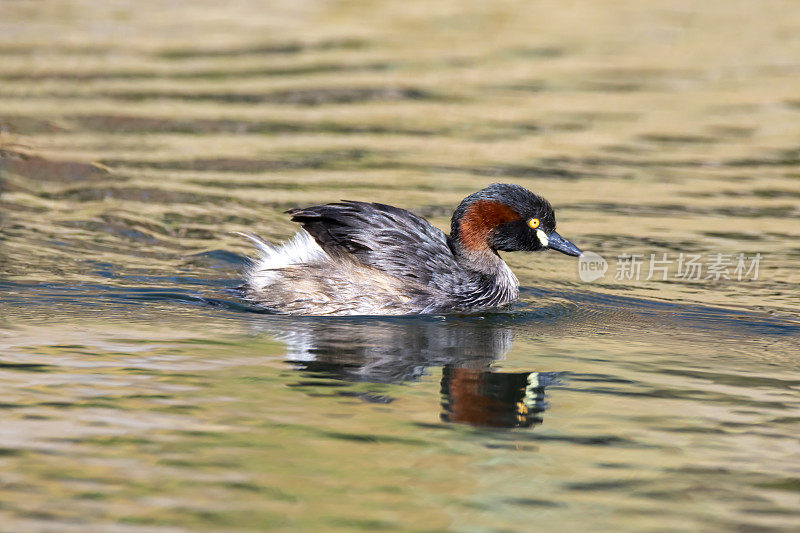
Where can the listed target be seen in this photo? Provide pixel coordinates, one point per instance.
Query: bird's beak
(557, 242)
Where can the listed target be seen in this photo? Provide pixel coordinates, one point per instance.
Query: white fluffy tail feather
(300, 249)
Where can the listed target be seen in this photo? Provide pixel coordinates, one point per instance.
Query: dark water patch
(743, 211)
(769, 161)
(301, 97)
(615, 86)
(614, 465)
(11, 452)
(363, 524)
(54, 49)
(732, 132)
(59, 405)
(295, 186)
(599, 378)
(628, 149)
(7, 185)
(530, 86)
(176, 409)
(200, 74)
(746, 382)
(791, 484)
(758, 193)
(676, 139)
(121, 226)
(512, 130)
(587, 85)
(265, 49)
(134, 194)
(638, 79)
(625, 162)
(37, 168)
(533, 502)
(429, 425)
(18, 49)
(601, 116)
(173, 218)
(290, 70)
(618, 162)
(368, 397)
(174, 296)
(271, 185)
(556, 126)
(24, 125)
(57, 75)
(137, 124)
(735, 235)
(112, 229)
(496, 132)
(533, 52)
(26, 367)
(614, 441)
(157, 283)
(320, 382)
(610, 484)
(767, 512)
(776, 193)
(779, 235)
(69, 346)
(687, 430)
(273, 493)
(694, 395)
(374, 438)
(218, 259)
(313, 160)
(88, 295)
(649, 73)
(502, 171)
(93, 496)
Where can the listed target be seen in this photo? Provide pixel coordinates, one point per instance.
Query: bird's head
(508, 218)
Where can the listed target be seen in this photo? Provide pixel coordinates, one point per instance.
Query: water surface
(139, 393)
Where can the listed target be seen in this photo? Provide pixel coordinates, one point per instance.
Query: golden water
(138, 394)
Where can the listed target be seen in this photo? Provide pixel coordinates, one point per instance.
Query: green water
(139, 394)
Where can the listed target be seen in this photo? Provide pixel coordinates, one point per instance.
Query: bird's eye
(534, 223)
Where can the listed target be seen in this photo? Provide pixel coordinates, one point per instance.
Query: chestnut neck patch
(480, 218)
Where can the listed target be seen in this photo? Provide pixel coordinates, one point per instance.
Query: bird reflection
(494, 399)
(403, 349)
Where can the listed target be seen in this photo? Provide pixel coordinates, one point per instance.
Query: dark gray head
(509, 218)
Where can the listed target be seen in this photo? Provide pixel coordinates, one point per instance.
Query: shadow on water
(398, 350)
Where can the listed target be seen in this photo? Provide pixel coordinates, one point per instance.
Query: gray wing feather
(388, 238)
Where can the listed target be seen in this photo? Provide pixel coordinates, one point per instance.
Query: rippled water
(139, 394)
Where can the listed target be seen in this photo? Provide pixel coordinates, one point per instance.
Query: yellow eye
(533, 223)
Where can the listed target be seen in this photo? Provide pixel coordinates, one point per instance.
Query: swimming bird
(360, 258)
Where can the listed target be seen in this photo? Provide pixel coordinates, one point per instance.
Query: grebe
(359, 258)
